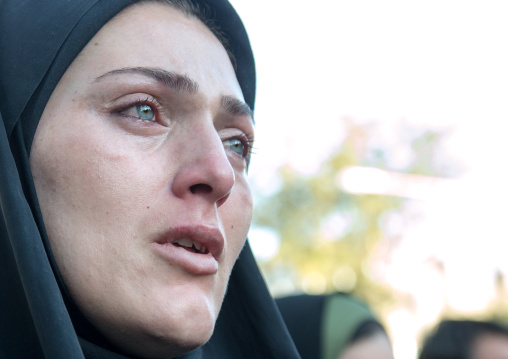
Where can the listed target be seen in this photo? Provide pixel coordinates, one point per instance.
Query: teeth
(200, 248)
(185, 242)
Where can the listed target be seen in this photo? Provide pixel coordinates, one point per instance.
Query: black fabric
(302, 314)
(455, 339)
(38, 41)
(322, 326)
(249, 321)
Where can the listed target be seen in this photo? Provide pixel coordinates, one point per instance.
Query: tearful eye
(145, 112)
(237, 146)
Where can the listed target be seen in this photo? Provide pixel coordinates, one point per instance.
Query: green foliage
(329, 236)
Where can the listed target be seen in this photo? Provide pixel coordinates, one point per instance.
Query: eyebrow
(183, 84)
(169, 79)
(236, 107)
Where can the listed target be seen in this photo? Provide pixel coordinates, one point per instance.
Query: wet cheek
(239, 219)
(86, 177)
(53, 167)
(245, 200)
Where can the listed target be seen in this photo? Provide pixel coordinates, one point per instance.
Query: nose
(204, 170)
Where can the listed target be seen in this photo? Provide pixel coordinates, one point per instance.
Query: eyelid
(140, 99)
(247, 142)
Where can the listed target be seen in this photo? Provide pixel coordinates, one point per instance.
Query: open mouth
(191, 246)
(195, 248)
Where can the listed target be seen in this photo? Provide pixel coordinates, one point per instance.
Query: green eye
(236, 145)
(145, 112)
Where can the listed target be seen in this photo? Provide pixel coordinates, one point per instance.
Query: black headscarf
(456, 339)
(322, 326)
(38, 41)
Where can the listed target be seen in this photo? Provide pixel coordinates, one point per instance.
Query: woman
(335, 326)
(466, 339)
(126, 138)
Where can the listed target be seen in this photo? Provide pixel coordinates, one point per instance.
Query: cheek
(94, 189)
(237, 217)
(82, 175)
(86, 166)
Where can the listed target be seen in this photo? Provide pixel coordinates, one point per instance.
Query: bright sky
(436, 62)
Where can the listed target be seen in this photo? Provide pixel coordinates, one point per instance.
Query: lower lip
(195, 263)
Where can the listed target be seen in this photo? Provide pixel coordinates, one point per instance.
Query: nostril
(200, 188)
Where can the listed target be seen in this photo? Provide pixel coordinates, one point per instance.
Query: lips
(197, 249)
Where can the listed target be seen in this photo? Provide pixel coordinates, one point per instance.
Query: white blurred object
(264, 243)
(369, 180)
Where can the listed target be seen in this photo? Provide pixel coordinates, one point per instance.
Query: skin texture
(112, 185)
(490, 346)
(375, 346)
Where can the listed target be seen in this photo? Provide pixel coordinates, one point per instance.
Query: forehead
(160, 36)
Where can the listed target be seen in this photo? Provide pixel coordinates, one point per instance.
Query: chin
(162, 347)
(158, 345)
(167, 334)
(191, 335)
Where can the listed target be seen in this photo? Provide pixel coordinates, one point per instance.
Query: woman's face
(139, 163)
(490, 346)
(375, 346)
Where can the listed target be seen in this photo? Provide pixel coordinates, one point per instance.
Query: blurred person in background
(466, 339)
(335, 326)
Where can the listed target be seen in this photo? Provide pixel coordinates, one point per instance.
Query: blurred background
(379, 165)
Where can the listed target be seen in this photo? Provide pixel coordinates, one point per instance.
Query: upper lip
(208, 236)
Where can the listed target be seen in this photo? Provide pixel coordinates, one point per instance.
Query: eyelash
(248, 146)
(149, 101)
(157, 109)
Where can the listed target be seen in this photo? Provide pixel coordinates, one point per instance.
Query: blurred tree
(328, 236)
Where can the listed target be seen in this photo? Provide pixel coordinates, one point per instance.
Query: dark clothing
(322, 326)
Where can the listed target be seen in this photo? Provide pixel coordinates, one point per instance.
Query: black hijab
(456, 339)
(38, 41)
(322, 326)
